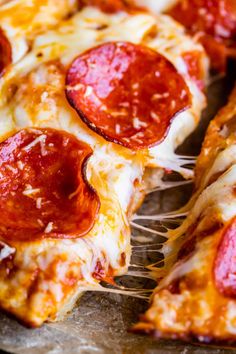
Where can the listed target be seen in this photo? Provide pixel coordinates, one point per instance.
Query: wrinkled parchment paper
(100, 322)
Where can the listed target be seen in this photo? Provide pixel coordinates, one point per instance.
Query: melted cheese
(33, 94)
(156, 6)
(80, 33)
(217, 200)
(22, 20)
(223, 161)
(189, 302)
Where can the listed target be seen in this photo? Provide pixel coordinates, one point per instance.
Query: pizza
(196, 298)
(212, 22)
(90, 99)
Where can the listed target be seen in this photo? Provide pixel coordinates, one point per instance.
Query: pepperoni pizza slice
(196, 299)
(99, 99)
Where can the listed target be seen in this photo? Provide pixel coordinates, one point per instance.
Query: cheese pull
(196, 299)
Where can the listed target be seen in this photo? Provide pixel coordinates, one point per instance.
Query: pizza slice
(213, 23)
(196, 298)
(98, 100)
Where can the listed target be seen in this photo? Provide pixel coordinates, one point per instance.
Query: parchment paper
(100, 322)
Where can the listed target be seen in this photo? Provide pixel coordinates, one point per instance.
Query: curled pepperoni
(214, 20)
(127, 93)
(5, 52)
(225, 262)
(43, 188)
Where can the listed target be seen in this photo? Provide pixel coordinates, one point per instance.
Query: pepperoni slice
(43, 188)
(225, 262)
(214, 20)
(127, 93)
(5, 52)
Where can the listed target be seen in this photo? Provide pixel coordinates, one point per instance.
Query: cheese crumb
(158, 96)
(89, 91)
(155, 116)
(38, 203)
(39, 140)
(183, 94)
(40, 222)
(29, 191)
(49, 227)
(124, 104)
(117, 127)
(137, 123)
(75, 87)
(20, 165)
(173, 104)
(135, 86)
(117, 114)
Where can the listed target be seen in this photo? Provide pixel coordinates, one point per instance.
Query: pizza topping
(127, 93)
(214, 17)
(225, 265)
(215, 23)
(5, 52)
(43, 186)
(193, 60)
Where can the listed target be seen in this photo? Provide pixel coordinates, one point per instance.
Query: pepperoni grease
(127, 93)
(43, 188)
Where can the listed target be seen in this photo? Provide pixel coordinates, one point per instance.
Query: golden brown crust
(196, 300)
